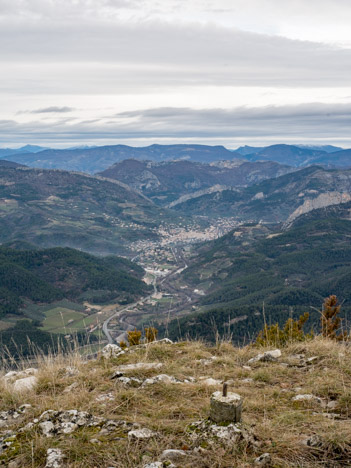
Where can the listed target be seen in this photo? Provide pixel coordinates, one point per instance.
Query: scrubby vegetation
(309, 433)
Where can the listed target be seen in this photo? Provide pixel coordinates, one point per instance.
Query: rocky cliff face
(321, 201)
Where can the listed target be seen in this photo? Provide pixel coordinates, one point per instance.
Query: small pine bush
(123, 344)
(330, 321)
(273, 335)
(151, 334)
(134, 337)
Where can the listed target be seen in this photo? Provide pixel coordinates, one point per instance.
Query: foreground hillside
(50, 208)
(296, 409)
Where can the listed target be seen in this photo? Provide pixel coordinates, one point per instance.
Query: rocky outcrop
(323, 200)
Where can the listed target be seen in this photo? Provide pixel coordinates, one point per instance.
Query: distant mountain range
(92, 160)
(167, 181)
(298, 156)
(98, 159)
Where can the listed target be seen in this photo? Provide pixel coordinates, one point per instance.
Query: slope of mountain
(326, 148)
(27, 149)
(94, 160)
(166, 181)
(300, 155)
(5, 163)
(59, 208)
(274, 200)
(289, 272)
(51, 274)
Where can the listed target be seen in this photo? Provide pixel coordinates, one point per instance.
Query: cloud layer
(91, 70)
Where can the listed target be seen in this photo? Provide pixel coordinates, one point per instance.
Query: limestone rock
(307, 397)
(139, 366)
(26, 384)
(129, 381)
(141, 434)
(54, 458)
(210, 382)
(111, 351)
(266, 357)
(164, 378)
(71, 387)
(225, 408)
(173, 455)
(263, 460)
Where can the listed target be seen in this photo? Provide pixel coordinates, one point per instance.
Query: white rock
(28, 383)
(164, 378)
(54, 458)
(47, 428)
(139, 366)
(154, 465)
(111, 351)
(105, 397)
(129, 381)
(173, 455)
(210, 382)
(263, 460)
(71, 387)
(267, 356)
(141, 434)
(306, 397)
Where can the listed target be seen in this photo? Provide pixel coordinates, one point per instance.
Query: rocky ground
(149, 407)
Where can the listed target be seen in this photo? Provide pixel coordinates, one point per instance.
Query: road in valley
(165, 283)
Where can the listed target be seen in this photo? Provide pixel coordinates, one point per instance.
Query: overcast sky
(138, 72)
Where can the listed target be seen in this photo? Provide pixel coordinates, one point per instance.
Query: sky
(231, 72)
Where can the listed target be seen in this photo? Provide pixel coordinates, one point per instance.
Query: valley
(208, 248)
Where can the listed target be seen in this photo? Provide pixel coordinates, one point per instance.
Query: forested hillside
(58, 208)
(48, 275)
(286, 273)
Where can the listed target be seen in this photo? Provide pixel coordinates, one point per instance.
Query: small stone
(111, 351)
(268, 356)
(313, 441)
(210, 382)
(71, 387)
(332, 404)
(173, 455)
(139, 366)
(141, 434)
(164, 378)
(225, 408)
(263, 460)
(54, 458)
(105, 397)
(156, 464)
(247, 368)
(26, 384)
(306, 397)
(95, 441)
(47, 428)
(71, 371)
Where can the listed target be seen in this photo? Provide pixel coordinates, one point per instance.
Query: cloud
(51, 110)
(276, 123)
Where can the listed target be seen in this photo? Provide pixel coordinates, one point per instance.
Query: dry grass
(280, 424)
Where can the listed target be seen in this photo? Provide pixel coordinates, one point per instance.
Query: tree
(330, 321)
